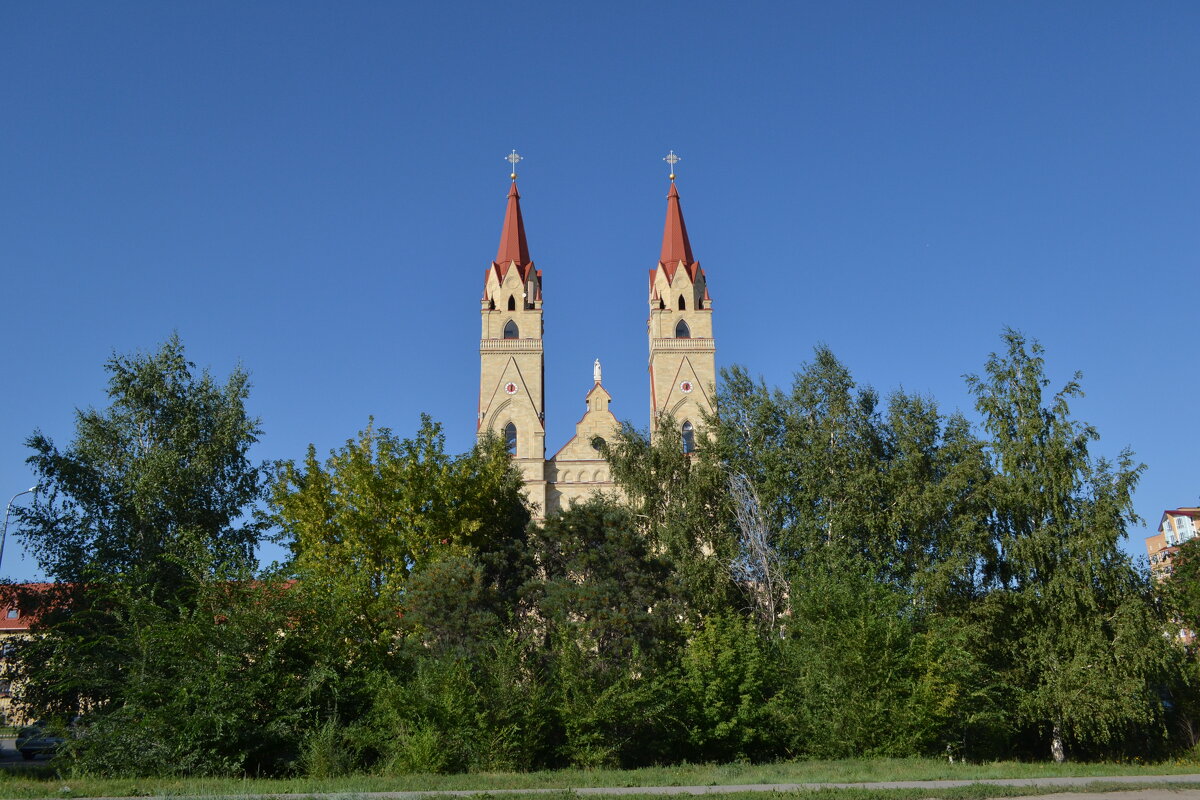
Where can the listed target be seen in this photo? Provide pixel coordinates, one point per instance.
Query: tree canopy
(829, 572)
(153, 489)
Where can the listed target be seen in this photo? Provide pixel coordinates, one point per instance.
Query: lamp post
(7, 511)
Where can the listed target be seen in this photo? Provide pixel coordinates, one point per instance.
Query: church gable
(583, 445)
(509, 388)
(597, 423)
(686, 386)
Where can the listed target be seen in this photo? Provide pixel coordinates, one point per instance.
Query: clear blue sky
(314, 190)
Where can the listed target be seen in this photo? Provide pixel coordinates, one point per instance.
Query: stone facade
(682, 367)
(511, 363)
(512, 368)
(577, 470)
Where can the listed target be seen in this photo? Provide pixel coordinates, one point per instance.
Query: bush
(727, 685)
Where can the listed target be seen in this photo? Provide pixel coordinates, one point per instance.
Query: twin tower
(512, 368)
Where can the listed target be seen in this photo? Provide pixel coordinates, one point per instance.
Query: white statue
(596, 371)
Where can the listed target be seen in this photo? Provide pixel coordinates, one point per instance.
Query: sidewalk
(1170, 787)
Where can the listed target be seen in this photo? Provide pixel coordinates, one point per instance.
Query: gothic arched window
(689, 438)
(512, 302)
(510, 438)
(682, 331)
(682, 303)
(511, 331)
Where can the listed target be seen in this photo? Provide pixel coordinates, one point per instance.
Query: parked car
(37, 739)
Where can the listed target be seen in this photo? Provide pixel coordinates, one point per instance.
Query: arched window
(510, 438)
(512, 302)
(689, 438)
(511, 331)
(681, 331)
(682, 303)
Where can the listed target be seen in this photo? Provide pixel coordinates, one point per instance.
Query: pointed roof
(513, 246)
(675, 244)
(598, 420)
(597, 388)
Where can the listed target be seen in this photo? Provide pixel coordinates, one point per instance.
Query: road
(9, 757)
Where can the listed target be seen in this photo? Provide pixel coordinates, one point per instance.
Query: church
(682, 372)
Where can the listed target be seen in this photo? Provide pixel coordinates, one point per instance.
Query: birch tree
(1089, 651)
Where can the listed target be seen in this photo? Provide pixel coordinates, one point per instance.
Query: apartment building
(1177, 526)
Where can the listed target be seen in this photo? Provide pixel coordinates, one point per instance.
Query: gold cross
(513, 158)
(672, 159)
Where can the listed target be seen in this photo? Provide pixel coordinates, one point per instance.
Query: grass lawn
(45, 780)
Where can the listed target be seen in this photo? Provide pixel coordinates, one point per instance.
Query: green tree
(1087, 645)
(453, 711)
(1181, 589)
(155, 488)
(681, 506)
(409, 560)
(220, 686)
(901, 488)
(813, 454)
(876, 516)
(156, 622)
(935, 479)
(847, 662)
(601, 582)
(381, 511)
(727, 685)
(603, 608)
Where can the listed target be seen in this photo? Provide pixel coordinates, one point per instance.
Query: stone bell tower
(682, 351)
(511, 365)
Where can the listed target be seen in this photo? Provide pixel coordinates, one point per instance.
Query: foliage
(444, 712)
(607, 617)
(142, 523)
(601, 584)
(829, 574)
(1182, 588)
(832, 472)
(366, 524)
(206, 690)
(728, 680)
(847, 664)
(680, 506)
(1090, 650)
(153, 489)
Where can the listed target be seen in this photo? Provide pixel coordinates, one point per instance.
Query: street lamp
(7, 511)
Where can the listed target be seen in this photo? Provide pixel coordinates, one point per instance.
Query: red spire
(675, 246)
(513, 246)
